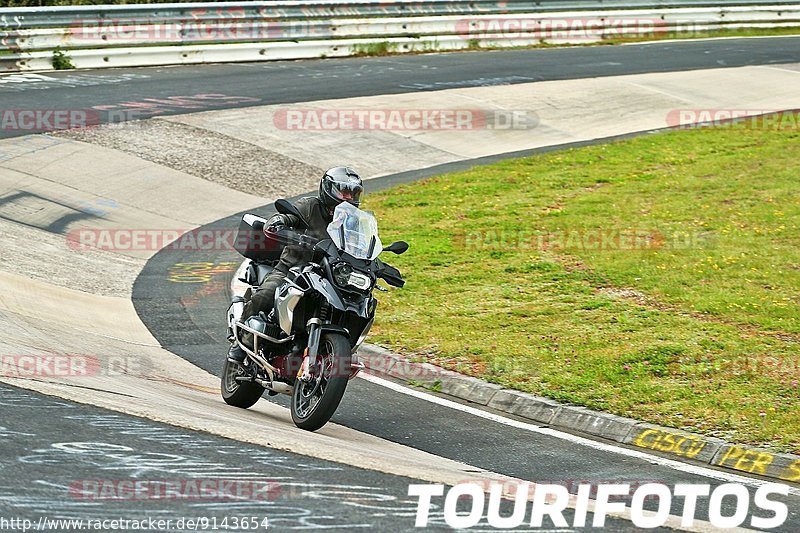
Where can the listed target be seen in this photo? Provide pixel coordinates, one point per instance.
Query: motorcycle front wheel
(315, 401)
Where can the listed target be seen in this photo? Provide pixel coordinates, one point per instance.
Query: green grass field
(657, 278)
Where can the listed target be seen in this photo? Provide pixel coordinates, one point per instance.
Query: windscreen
(355, 232)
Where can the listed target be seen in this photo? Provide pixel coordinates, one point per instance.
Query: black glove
(307, 241)
(276, 224)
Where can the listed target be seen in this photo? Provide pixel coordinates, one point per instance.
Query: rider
(338, 184)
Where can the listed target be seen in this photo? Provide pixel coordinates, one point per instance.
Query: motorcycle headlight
(341, 273)
(359, 281)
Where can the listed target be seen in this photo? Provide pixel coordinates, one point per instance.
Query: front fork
(311, 357)
(312, 351)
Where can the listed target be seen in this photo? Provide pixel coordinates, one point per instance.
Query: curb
(681, 445)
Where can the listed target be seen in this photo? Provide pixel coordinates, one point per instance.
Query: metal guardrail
(110, 33)
(138, 35)
(34, 17)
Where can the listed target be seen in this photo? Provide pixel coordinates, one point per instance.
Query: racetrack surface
(76, 467)
(187, 318)
(162, 91)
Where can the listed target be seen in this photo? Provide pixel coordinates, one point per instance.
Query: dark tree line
(47, 3)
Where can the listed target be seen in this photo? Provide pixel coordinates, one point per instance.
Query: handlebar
(385, 271)
(289, 236)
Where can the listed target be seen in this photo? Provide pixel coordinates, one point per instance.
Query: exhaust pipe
(275, 386)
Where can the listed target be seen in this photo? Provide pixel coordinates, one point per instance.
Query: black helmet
(340, 184)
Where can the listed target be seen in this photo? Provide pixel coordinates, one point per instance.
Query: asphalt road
(81, 464)
(121, 94)
(187, 318)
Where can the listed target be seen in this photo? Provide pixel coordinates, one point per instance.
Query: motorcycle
(322, 313)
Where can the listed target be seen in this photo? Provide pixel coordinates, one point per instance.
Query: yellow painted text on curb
(753, 461)
(663, 441)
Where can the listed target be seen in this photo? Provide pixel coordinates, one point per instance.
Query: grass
(732, 32)
(61, 61)
(477, 44)
(657, 278)
(383, 48)
(387, 49)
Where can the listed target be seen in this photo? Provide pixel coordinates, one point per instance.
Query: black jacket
(316, 217)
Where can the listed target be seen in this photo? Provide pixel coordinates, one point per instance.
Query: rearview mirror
(398, 247)
(285, 207)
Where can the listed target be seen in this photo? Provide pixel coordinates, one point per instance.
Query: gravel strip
(208, 155)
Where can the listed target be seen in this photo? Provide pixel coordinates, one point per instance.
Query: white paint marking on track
(654, 459)
(665, 93)
(773, 67)
(702, 39)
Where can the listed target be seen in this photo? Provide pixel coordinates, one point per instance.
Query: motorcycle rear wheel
(244, 394)
(314, 402)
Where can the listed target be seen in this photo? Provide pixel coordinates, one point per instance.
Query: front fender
(333, 328)
(362, 307)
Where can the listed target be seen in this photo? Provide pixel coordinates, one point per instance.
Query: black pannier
(253, 243)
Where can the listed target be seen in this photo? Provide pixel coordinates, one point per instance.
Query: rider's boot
(235, 312)
(235, 353)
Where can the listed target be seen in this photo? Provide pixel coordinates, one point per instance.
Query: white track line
(654, 459)
(702, 39)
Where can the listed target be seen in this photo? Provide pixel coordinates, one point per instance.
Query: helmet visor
(347, 191)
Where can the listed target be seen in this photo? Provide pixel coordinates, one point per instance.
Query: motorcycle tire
(336, 356)
(237, 394)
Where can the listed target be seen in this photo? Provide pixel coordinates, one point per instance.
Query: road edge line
(690, 448)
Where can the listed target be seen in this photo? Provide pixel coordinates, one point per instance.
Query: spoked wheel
(238, 394)
(315, 401)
